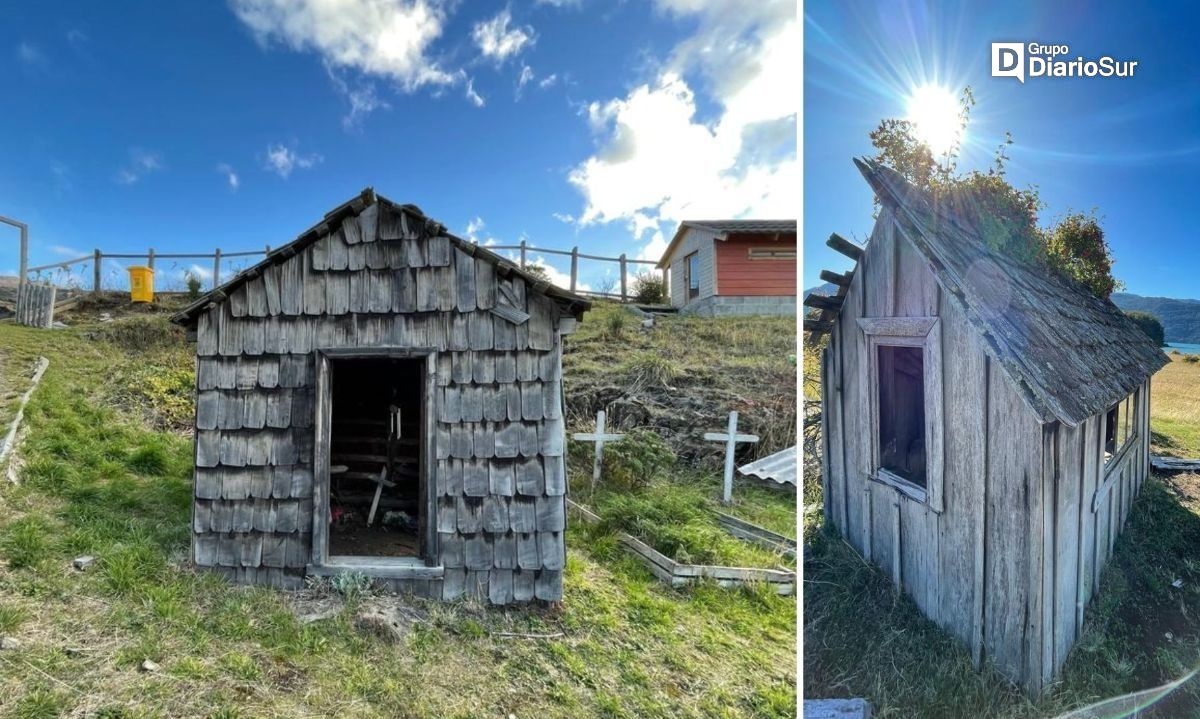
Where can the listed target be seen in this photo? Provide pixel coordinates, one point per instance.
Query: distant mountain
(828, 289)
(1180, 318)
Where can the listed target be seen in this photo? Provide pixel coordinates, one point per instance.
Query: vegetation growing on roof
(1005, 216)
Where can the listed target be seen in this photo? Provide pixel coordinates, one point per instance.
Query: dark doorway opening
(376, 501)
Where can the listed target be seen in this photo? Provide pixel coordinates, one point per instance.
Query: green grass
(98, 479)
(863, 639)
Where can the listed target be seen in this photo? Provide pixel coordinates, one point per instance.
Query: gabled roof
(724, 228)
(410, 222)
(1070, 353)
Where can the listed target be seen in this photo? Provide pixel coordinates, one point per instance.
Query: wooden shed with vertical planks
(379, 396)
(986, 427)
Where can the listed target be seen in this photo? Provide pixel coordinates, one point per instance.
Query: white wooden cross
(731, 439)
(599, 437)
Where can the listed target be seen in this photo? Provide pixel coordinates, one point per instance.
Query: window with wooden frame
(691, 275)
(1119, 427)
(771, 253)
(902, 372)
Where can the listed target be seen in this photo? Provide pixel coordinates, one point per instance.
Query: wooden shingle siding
(369, 281)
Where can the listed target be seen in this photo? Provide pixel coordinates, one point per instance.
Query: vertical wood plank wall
(1011, 562)
(498, 462)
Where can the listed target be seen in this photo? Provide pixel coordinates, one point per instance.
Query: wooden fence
(35, 304)
(523, 249)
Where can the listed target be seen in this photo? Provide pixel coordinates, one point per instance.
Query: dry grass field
(1175, 408)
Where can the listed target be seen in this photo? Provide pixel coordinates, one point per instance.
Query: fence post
(150, 258)
(522, 254)
(624, 281)
(217, 268)
(574, 266)
(96, 260)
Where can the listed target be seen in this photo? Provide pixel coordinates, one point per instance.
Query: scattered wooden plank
(1174, 464)
(10, 438)
(837, 709)
(757, 535)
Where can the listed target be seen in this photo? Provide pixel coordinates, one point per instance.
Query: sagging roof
(403, 221)
(1071, 354)
(724, 228)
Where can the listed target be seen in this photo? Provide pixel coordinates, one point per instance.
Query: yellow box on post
(141, 284)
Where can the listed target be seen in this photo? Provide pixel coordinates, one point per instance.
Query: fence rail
(523, 249)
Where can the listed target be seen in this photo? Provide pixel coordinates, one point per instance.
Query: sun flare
(934, 113)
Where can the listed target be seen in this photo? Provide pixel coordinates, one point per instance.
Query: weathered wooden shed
(986, 428)
(380, 396)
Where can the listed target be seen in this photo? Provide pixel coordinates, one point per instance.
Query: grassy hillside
(106, 471)
(1180, 318)
(1140, 631)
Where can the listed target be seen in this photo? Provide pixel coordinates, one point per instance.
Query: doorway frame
(422, 566)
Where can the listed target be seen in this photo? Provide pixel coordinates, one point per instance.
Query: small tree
(649, 289)
(1150, 325)
(538, 271)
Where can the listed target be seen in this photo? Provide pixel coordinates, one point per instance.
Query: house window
(901, 427)
(768, 253)
(691, 275)
(1118, 427)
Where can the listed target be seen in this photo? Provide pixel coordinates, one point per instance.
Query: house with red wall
(732, 267)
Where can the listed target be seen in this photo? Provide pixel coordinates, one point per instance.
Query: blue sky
(1130, 148)
(192, 125)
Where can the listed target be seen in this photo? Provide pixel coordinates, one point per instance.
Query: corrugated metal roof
(779, 467)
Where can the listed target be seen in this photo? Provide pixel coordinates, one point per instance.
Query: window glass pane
(693, 272)
(902, 412)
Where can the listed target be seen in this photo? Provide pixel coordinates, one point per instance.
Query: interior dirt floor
(357, 539)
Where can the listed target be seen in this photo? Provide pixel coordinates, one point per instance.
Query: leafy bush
(161, 393)
(1191, 358)
(649, 289)
(637, 459)
(193, 285)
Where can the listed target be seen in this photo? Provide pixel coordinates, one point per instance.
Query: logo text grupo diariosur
(1022, 60)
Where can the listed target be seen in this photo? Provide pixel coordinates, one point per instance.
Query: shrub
(650, 369)
(140, 333)
(1150, 325)
(615, 322)
(193, 285)
(637, 459)
(649, 289)
(1191, 358)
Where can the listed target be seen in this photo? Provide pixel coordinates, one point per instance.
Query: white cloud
(231, 176)
(199, 272)
(658, 163)
(473, 96)
(141, 163)
(555, 275)
(474, 232)
(31, 56)
(66, 251)
(282, 160)
(496, 40)
(566, 217)
(388, 38)
(524, 79)
(548, 80)
(362, 97)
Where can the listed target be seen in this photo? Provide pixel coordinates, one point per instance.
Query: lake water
(1183, 347)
